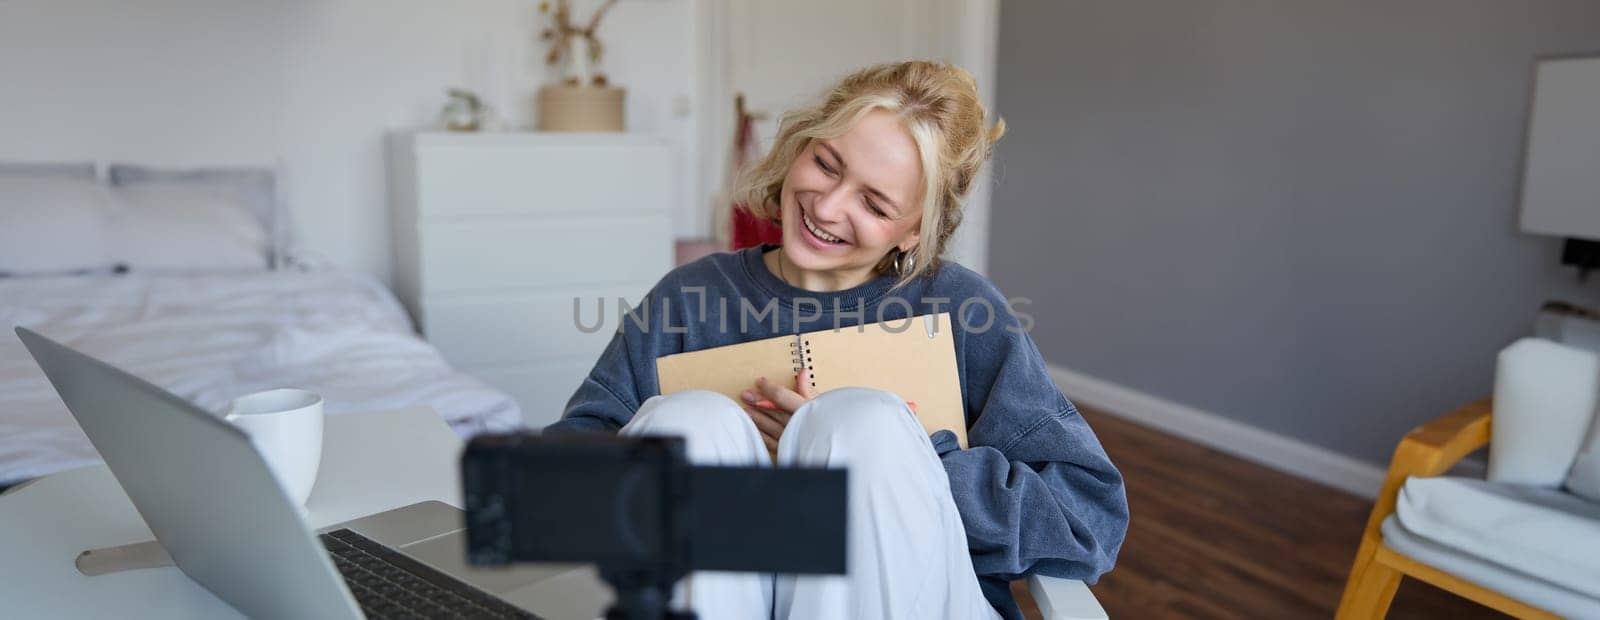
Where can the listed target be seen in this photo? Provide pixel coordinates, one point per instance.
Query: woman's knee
(715, 429)
(855, 412)
(872, 432)
(685, 412)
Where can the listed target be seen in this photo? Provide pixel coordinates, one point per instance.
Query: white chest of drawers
(497, 234)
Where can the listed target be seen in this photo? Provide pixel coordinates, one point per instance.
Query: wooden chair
(1428, 450)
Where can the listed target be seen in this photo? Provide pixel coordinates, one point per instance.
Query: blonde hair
(938, 105)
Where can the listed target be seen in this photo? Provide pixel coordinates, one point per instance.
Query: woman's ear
(911, 242)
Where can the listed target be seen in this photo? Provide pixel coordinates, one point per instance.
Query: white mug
(286, 427)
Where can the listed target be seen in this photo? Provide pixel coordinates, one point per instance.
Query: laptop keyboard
(389, 584)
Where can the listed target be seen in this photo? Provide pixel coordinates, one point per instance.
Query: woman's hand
(771, 405)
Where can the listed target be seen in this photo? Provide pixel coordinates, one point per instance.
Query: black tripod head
(637, 509)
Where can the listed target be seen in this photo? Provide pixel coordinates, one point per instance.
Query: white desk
(370, 462)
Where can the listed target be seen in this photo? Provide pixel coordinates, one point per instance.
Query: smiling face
(849, 201)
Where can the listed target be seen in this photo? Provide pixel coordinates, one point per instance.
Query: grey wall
(1297, 214)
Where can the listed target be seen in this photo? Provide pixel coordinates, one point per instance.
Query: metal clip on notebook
(801, 356)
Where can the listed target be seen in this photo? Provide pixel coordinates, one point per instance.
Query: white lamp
(1561, 177)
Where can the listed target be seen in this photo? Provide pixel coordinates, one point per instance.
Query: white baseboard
(1242, 440)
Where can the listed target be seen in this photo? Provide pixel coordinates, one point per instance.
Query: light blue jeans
(907, 555)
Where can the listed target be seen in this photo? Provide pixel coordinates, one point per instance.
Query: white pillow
(256, 188)
(53, 225)
(1544, 399)
(183, 228)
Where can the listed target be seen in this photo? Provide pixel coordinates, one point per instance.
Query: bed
(210, 338)
(180, 278)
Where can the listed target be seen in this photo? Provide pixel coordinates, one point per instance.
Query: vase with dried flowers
(582, 99)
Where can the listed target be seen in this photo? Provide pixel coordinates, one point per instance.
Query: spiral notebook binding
(800, 357)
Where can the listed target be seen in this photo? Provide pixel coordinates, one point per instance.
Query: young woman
(868, 186)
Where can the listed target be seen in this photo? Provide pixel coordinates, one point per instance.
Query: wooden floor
(1214, 536)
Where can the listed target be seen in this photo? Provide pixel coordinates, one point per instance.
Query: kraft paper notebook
(915, 359)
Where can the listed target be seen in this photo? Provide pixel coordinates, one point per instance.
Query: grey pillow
(73, 170)
(256, 187)
(1584, 480)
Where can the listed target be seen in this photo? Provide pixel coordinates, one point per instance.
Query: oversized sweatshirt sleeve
(606, 399)
(1035, 489)
(624, 376)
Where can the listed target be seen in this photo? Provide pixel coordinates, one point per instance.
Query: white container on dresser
(497, 234)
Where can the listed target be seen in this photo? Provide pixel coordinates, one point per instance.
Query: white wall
(310, 85)
(109, 80)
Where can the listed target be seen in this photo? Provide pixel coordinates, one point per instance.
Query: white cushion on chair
(1544, 398)
(1545, 533)
(1528, 589)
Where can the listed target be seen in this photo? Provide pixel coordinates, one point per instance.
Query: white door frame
(976, 31)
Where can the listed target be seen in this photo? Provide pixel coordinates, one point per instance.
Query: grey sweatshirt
(1034, 488)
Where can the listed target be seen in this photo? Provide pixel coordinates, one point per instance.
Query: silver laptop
(213, 504)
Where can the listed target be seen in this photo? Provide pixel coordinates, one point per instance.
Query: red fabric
(748, 230)
(751, 231)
